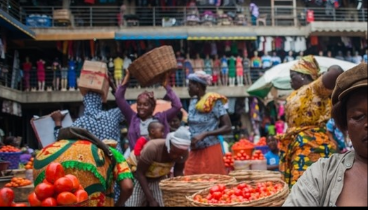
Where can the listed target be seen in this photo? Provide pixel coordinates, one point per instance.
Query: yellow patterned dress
(307, 111)
(86, 161)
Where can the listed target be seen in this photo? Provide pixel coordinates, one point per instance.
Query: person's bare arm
(126, 190)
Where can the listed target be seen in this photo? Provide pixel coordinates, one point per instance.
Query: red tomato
(81, 195)
(214, 189)
(237, 192)
(221, 187)
(63, 184)
(19, 205)
(80, 187)
(54, 171)
(66, 198)
(6, 196)
(198, 198)
(241, 186)
(75, 181)
(50, 201)
(33, 200)
(44, 191)
(217, 195)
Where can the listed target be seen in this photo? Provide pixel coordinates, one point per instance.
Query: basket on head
(151, 67)
(258, 175)
(174, 190)
(276, 199)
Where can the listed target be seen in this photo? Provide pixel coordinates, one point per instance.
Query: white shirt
(289, 44)
(268, 44)
(126, 63)
(260, 45)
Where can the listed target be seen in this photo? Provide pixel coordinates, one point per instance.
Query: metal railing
(109, 16)
(30, 81)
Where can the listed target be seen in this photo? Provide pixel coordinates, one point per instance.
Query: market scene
(183, 103)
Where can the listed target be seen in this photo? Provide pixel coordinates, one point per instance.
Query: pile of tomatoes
(57, 189)
(261, 142)
(258, 155)
(242, 192)
(18, 182)
(190, 179)
(7, 198)
(29, 164)
(9, 148)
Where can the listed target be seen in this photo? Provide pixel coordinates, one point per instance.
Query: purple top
(133, 119)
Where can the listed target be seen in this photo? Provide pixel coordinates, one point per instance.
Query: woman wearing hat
(207, 118)
(307, 110)
(341, 180)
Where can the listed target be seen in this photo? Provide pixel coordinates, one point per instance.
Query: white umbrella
(278, 77)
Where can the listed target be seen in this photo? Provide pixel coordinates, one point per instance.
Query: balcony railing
(18, 79)
(109, 16)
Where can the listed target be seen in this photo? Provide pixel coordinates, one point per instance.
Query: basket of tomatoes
(10, 154)
(174, 190)
(272, 192)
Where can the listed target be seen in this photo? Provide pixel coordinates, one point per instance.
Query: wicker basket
(151, 67)
(276, 199)
(175, 190)
(256, 175)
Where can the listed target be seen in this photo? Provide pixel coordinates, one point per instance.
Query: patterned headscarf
(201, 77)
(307, 65)
(149, 96)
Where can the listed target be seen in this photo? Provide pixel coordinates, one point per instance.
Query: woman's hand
(126, 78)
(166, 79)
(57, 117)
(198, 138)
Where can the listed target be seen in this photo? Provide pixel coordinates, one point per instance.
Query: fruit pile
(9, 148)
(241, 192)
(189, 179)
(18, 182)
(57, 189)
(261, 142)
(241, 144)
(257, 155)
(29, 164)
(7, 198)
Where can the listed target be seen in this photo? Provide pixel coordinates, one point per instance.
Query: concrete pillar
(66, 4)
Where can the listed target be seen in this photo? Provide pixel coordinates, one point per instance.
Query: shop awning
(338, 28)
(221, 35)
(15, 28)
(149, 35)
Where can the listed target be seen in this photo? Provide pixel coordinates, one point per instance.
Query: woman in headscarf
(341, 180)
(138, 121)
(156, 160)
(207, 118)
(307, 110)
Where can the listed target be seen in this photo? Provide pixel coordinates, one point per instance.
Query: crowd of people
(303, 147)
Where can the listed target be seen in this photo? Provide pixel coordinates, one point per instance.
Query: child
(272, 155)
(176, 121)
(155, 131)
(279, 126)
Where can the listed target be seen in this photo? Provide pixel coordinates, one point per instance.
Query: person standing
(207, 118)
(341, 180)
(239, 71)
(146, 103)
(71, 74)
(216, 71)
(56, 68)
(253, 8)
(118, 70)
(232, 71)
(224, 70)
(307, 110)
(27, 67)
(41, 74)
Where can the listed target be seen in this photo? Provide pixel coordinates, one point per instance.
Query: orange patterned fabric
(307, 65)
(87, 162)
(207, 102)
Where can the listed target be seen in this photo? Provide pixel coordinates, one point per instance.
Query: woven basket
(256, 175)
(174, 190)
(151, 67)
(276, 199)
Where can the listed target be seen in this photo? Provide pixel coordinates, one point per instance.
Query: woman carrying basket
(138, 121)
